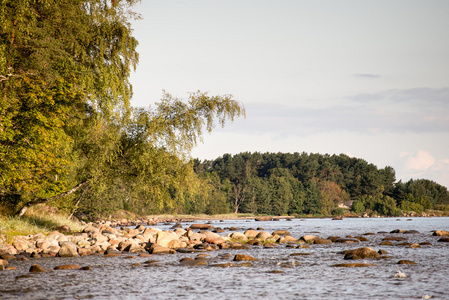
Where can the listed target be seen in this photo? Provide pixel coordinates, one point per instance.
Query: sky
(369, 79)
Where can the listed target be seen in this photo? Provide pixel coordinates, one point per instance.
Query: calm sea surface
(305, 277)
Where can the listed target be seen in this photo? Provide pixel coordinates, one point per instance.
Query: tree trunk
(27, 205)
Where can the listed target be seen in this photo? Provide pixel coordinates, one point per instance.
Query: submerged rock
(353, 265)
(263, 218)
(223, 265)
(320, 241)
(38, 269)
(3, 262)
(347, 240)
(68, 267)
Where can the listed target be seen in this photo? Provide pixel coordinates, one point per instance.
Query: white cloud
(422, 164)
(419, 161)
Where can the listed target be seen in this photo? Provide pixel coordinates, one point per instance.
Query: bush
(412, 206)
(339, 211)
(358, 207)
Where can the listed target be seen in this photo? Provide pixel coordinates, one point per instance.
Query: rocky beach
(178, 244)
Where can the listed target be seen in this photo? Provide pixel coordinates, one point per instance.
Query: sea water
(276, 275)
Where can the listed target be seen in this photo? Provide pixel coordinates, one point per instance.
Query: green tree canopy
(66, 119)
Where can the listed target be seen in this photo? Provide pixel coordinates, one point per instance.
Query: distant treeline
(312, 184)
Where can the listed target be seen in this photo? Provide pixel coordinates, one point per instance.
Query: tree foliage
(316, 184)
(66, 119)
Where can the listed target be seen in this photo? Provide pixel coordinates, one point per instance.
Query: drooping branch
(10, 74)
(36, 201)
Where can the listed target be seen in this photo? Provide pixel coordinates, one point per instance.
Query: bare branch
(27, 205)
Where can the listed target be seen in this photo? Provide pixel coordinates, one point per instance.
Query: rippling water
(306, 277)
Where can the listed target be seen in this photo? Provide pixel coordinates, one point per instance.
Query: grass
(37, 219)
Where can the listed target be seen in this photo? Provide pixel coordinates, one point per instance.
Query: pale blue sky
(365, 78)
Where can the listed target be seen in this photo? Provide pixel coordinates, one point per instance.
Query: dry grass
(37, 219)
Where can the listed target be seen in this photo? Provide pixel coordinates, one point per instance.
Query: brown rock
(68, 267)
(238, 236)
(444, 240)
(194, 262)
(91, 229)
(397, 231)
(289, 239)
(140, 227)
(386, 243)
(43, 244)
(145, 255)
(21, 245)
(394, 238)
(281, 232)
(7, 256)
(244, 257)
(64, 228)
(263, 218)
(84, 251)
(157, 249)
(441, 233)
(362, 253)
(3, 262)
(254, 243)
(38, 269)
(201, 226)
(251, 234)
(362, 238)
(411, 232)
(353, 265)
(425, 244)
(320, 241)
(68, 249)
(333, 238)
(244, 264)
(263, 235)
(223, 265)
(406, 262)
(309, 238)
(403, 244)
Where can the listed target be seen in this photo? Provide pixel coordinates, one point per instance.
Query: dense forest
(314, 184)
(70, 138)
